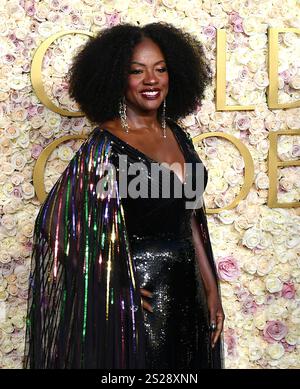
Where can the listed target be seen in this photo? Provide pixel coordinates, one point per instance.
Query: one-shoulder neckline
(145, 156)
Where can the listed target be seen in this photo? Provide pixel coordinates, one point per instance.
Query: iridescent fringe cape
(84, 305)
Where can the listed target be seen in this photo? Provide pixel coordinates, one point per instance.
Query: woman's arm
(214, 304)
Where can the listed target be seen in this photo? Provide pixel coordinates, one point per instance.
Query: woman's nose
(150, 78)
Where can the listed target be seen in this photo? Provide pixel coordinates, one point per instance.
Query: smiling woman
(128, 282)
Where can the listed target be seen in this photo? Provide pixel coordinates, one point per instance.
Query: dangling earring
(163, 119)
(123, 115)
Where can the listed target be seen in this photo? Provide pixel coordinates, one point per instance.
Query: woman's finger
(147, 306)
(219, 328)
(146, 293)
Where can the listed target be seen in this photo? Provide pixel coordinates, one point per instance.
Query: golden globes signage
(272, 100)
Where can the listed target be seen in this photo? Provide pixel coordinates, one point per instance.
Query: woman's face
(148, 79)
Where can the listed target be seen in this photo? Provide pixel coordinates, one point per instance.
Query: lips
(150, 94)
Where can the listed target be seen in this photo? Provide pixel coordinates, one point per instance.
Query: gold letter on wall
(221, 77)
(273, 165)
(39, 167)
(249, 167)
(36, 72)
(273, 69)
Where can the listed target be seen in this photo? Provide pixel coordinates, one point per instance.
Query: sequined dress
(91, 257)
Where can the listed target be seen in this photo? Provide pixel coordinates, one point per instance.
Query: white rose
(19, 114)
(255, 352)
(295, 316)
(295, 82)
(260, 321)
(257, 287)
(292, 241)
(276, 311)
(36, 121)
(99, 18)
(242, 223)
(12, 132)
(18, 82)
(290, 39)
(275, 350)
(46, 132)
(18, 161)
(53, 119)
(273, 284)
(250, 265)
(292, 120)
(252, 238)
(27, 230)
(232, 177)
(8, 221)
(45, 29)
(264, 265)
(292, 339)
(7, 168)
(227, 217)
(65, 153)
(27, 190)
(257, 41)
(261, 79)
(262, 181)
(23, 141)
(6, 346)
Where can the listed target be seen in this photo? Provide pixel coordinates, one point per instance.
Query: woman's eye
(161, 70)
(135, 71)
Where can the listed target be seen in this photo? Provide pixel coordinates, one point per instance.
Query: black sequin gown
(92, 254)
(160, 234)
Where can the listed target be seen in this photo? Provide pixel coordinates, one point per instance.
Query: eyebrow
(138, 63)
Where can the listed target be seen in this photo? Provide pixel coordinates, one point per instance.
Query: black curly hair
(98, 75)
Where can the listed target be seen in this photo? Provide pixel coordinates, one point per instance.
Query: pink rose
(210, 31)
(249, 307)
(285, 75)
(238, 27)
(274, 331)
(296, 151)
(231, 342)
(241, 294)
(36, 151)
(236, 21)
(288, 291)
(113, 19)
(228, 269)
(288, 347)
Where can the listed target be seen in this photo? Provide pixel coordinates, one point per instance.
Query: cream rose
(257, 287)
(252, 238)
(37, 121)
(264, 265)
(65, 153)
(262, 181)
(227, 217)
(295, 82)
(260, 321)
(27, 190)
(293, 119)
(250, 265)
(8, 222)
(275, 351)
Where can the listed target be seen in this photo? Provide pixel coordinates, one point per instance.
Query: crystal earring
(163, 119)
(123, 115)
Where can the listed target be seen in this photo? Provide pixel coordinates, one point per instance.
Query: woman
(128, 280)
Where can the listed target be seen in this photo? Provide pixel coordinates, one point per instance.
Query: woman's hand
(145, 304)
(217, 316)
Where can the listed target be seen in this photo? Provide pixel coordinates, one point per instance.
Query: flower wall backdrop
(256, 248)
